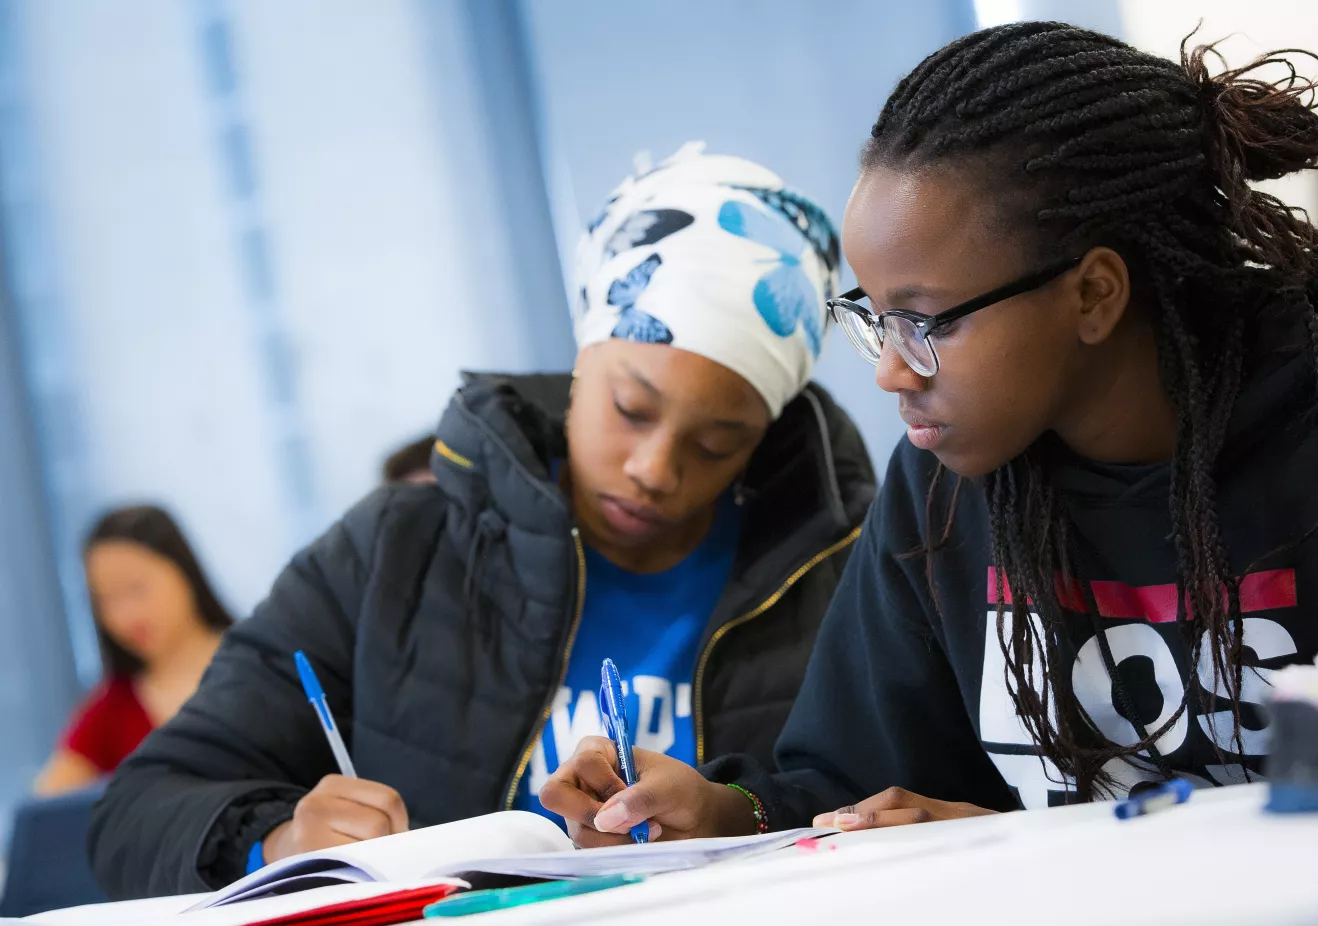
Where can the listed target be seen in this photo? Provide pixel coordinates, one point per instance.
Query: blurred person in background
(683, 503)
(410, 463)
(158, 622)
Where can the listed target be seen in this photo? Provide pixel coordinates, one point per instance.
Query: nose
(893, 374)
(653, 465)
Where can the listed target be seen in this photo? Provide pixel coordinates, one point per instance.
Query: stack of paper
(393, 871)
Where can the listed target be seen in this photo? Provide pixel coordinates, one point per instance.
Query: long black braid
(1091, 142)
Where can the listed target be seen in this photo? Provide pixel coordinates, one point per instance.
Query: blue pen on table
(316, 695)
(1168, 794)
(613, 712)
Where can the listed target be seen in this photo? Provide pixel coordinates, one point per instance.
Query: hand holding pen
(341, 808)
(610, 792)
(671, 797)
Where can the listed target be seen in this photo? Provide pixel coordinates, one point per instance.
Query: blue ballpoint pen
(1168, 794)
(316, 695)
(613, 712)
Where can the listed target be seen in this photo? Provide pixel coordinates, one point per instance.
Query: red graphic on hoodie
(1200, 742)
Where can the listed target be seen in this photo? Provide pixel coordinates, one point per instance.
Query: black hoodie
(900, 693)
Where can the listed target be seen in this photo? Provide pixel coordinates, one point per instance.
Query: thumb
(621, 820)
(621, 812)
(666, 793)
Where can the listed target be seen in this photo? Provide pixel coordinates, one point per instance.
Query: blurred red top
(108, 724)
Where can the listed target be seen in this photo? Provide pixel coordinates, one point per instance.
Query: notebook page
(308, 870)
(409, 856)
(701, 888)
(648, 859)
(119, 913)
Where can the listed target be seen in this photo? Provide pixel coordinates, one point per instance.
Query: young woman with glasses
(1098, 542)
(683, 504)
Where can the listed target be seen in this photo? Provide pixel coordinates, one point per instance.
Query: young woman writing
(1099, 539)
(683, 504)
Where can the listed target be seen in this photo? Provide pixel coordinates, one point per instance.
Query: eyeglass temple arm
(1024, 285)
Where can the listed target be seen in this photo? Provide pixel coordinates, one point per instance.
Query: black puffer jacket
(439, 619)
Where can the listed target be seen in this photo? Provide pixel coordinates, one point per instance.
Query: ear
(1103, 281)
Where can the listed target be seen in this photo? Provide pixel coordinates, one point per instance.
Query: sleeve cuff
(256, 858)
(226, 852)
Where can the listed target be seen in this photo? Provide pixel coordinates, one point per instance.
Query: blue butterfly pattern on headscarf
(633, 324)
(812, 221)
(784, 296)
(646, 227)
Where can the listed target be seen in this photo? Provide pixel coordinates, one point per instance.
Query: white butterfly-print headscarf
(712, 254)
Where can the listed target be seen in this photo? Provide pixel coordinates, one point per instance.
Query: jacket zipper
(510, 798)
(697, 695)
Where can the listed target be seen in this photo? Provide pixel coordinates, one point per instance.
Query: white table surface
(1218, 859)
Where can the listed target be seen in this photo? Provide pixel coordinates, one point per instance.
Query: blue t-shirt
(650, 625)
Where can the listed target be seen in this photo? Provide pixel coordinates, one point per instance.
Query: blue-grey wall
(41, 482)
(37, 678)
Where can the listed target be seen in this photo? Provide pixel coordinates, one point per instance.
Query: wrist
(757, 808)
(272, 844)
(733, 813)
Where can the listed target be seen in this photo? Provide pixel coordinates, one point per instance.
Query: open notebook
(511, 843)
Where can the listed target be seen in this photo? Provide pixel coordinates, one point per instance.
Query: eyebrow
(641, 380)
(726, 424)
(913, 291)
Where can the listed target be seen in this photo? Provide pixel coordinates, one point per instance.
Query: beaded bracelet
(761, 818)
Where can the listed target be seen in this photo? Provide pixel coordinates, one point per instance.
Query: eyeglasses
(912, 332)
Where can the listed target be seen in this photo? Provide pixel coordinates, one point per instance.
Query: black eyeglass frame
(926, 325)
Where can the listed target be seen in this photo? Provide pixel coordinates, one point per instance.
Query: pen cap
(315, 694)
(310, 684)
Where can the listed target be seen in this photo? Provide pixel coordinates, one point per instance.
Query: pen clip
(613, 706)
(606, 714)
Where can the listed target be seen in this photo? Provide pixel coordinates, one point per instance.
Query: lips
(138, 635)
(630, 518)
(923, 432)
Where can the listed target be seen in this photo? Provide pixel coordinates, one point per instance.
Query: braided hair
(1089, 142)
